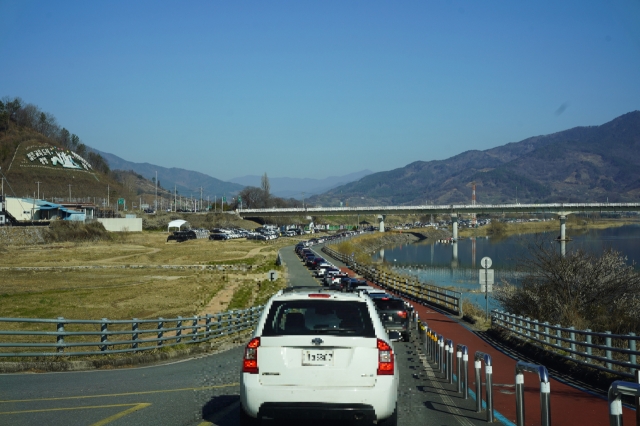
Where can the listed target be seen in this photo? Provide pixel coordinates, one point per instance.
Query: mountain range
(593, 163)
(186, 182)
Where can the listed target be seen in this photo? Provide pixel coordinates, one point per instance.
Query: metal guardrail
(187, 330)
(545, 392)
(579, 344)
(409, 287)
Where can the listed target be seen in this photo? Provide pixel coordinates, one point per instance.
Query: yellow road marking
(121, 414)
(42, 410)
(227, 385)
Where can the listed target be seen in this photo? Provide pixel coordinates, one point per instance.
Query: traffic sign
(272, 275)
(486, 262)
(486, 276)
(120, 201)
(483, 288)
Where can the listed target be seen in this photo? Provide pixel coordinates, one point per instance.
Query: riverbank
(573, 223)
(363, 246)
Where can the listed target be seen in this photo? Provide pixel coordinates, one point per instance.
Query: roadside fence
(613, 353)
(69, 337)
(408, 287)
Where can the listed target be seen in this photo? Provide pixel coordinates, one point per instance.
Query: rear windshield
(389, 305)
(318, 317)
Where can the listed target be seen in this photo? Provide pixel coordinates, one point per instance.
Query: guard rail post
(488, 372)
(160, 331)
(632, 347)
(134, 334)
(572, 336)
(545, 392)
(589, 349)
(608, 351)
(207, 325)
(60, 336)
(463, 370)
(103, 337)
(616, 390)
(450, 361)
(179, 331)
(194, 328)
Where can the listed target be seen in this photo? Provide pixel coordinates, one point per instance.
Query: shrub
(579, 289)
(60, 231)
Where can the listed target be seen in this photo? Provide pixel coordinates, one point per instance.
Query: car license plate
(316, 357)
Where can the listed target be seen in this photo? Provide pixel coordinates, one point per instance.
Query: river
(437, 262)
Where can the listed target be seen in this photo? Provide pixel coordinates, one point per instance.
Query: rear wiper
(340, 330)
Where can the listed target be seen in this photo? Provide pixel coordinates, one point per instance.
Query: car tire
(247, 420)
(391, 420)
(406, 337)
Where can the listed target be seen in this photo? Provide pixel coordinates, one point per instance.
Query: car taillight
(250, 361)
(402, 314)
(319, 295)
(385, 359)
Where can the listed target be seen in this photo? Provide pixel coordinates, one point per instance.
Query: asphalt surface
(202, 390)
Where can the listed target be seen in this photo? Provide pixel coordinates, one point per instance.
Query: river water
(439, 263)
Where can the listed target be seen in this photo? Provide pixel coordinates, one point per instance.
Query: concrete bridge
(455, 210)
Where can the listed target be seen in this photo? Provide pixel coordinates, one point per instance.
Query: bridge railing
(35, 337)
(409, 287)
(613, 353)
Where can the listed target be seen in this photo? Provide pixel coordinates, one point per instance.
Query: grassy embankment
(113, 289)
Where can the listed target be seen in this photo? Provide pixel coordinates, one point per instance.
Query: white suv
(319, 354)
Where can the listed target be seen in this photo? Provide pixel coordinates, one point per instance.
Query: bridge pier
(563, 227)
(381, 218)
(454, 224)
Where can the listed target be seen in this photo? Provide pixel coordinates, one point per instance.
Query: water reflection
(454, 264)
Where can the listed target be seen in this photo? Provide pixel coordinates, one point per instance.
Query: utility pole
(38, 189)
(107, 195)
(175, 197)
(69, 192)
(156, 209)
(200, 198)
(215, 203)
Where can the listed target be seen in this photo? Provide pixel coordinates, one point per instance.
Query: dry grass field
(147, 290)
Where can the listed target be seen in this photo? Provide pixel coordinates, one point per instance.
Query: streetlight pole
(156, 207)
(69, 192)
(38, 189)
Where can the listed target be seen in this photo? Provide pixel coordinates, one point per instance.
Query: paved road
(200, 391)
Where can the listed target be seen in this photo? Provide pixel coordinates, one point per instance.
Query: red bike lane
(569, 405)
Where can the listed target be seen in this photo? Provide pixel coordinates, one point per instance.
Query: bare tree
(266, 190)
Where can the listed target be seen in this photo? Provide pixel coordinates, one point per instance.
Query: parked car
(318, 354)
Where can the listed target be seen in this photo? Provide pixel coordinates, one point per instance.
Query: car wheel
(406, 337)
(247, 420)
(390, 421)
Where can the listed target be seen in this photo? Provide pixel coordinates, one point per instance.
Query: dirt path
(111, 259)
(221, 300)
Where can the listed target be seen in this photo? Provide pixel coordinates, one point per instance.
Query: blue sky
(313, 89)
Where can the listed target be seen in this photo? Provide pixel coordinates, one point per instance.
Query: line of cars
(394, 312)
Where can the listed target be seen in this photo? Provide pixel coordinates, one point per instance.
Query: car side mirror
(394, 335)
